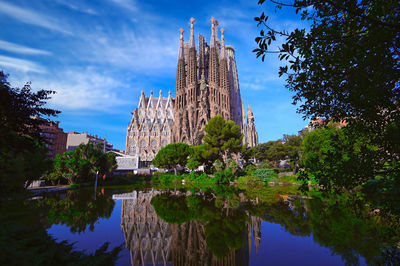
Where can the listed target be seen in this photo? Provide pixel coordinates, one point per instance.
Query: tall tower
(213, 73)
(180, 128)
(191, 90)
(224, 89)
(251, 132)
(207, 84)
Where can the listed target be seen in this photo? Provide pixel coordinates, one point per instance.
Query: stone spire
(213, 76)
(212, 42)
(250, 115)
(180, 82)
(181, 51)
(225, 101)
(222, 55)
(192, 45)
(243, 120)
(251, 134)
(191, 78)
(201, 54)
(216, 30)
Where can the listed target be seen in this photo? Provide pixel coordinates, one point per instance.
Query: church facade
(150, 128)
(207, 84)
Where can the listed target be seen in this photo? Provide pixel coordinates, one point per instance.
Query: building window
(143, 144)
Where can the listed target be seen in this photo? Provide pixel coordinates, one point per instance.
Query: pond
(221, 225)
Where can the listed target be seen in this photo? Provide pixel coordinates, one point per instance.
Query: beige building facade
(150, 128)
(74, 139)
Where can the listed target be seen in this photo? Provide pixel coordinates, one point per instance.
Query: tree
(172, 156)
(202, 155)
(223, 136)
(81, 164)
(347, 64)
(287, 148)
(337, 158)
(345, 67)
(22, 150)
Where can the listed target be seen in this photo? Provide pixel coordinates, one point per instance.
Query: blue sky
(99, 55)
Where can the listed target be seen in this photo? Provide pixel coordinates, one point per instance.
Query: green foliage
(22, 160)
(331, 68)
(223, 136)
(81, 164)
(24, 241)
(225, 229)
(201, 155)
(172, 156)
(22, 150)
(383, 194)
(232, 166)
(224, 177)
(196, 177)
(338, 159)
(248, 179)
(78, 210)
(267, 164)
(250, 168)
(287, 148)
(166, 178)
(287, 179)
(348, 228)
(345, 68)
(172, 209)
(264, 174)
(218, 166)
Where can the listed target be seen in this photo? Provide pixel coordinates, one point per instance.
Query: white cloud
(21, 64)
(13, 47)
(83, 89)
(78, 7)
(128, 4)
(138, 50)
(31, 17)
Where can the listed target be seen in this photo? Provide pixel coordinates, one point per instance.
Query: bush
(264, 173)
(166, 178)
(250, 168)
(224, 177)
(248, 179)
(218, 166)
(232, 166)
(267, 165)
(199, 177)
(288, 179)
(282, 170)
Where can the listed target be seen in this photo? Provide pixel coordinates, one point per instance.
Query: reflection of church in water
(153, 241)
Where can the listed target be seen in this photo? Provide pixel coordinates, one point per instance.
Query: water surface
(218, 226)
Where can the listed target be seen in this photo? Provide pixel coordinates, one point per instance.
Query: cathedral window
(132, 147)
(164, 143)
(154, 143)
(143, 144)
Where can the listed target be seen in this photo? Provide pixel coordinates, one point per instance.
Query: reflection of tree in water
(197, 232)
(346, 227)
(290, 213)
(77, 209)
(352, 231)
(24, 240)
(205, 228)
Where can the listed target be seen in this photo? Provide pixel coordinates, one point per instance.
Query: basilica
(207, 84)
